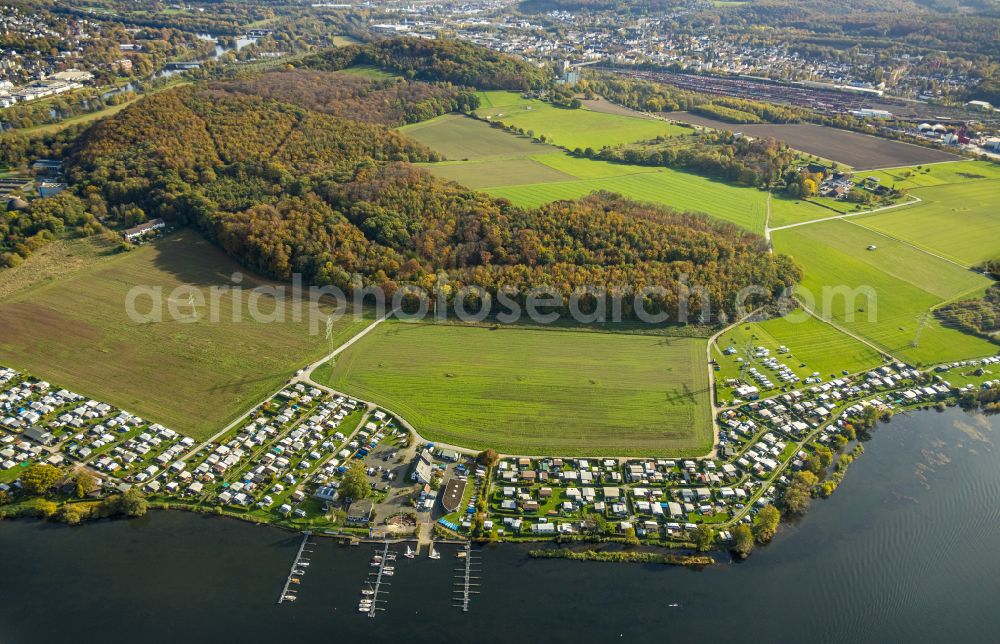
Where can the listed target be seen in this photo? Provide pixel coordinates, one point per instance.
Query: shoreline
(577, 547)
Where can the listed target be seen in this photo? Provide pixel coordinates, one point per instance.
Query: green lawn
(535, 391)
(812, 346)
(71, 327)
(906, 283)
(960, 221)
(579, 128)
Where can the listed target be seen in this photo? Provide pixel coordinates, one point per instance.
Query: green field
(464, 138)
(959, 221)
(936, 174)
(342, 40)
(579, 128)
(369, 71)
(502, 172)
(788, 210)
(590, 168)
(530, 174)
(193, 376)
(907, 283)
(682, 191)
(812, 346)
(536, 392)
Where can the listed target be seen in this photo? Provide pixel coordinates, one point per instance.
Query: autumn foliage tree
(39, 478)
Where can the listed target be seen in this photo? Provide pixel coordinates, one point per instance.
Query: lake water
(908, 549)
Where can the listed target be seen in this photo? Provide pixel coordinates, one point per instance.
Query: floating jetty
(384, 567)
(466, 583)
(296, 571)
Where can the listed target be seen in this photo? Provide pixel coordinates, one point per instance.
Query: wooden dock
(296, 571)
(466, 583)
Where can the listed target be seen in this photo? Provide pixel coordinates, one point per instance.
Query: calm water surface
(908, 549)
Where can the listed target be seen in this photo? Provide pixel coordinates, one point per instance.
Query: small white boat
(289, 598)
(367, 592)
(434, 554)
(674, 605)
(461, 554)
(364, 609)
(388, 573)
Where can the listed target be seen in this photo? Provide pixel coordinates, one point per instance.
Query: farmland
(787, 210)
(193, 375)
(907, 284)
(503, 172)
(569, 128)
(487, 156)
(535, 391)
(813, 346)
(530, 173)
(744, 207)
(938, 174)
(464, 138)
(958, 221)
(860, 151)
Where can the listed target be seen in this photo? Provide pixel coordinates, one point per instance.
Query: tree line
(751, 162)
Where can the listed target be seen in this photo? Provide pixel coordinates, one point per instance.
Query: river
(906, 550)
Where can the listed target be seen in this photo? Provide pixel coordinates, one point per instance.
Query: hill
(392, 101)
(285, 189)
(453, 61)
